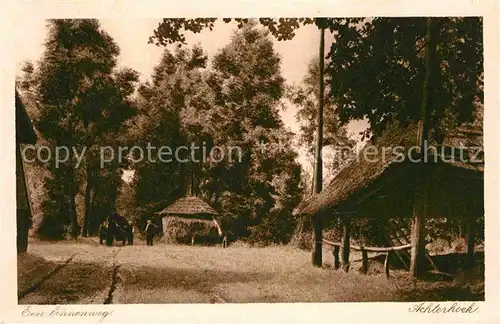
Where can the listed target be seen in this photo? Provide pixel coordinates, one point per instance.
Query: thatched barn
(190, 220)
(385, 182)
(24, 135)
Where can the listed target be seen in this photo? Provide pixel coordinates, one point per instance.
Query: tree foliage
(376, 65)
(377, 69)
(172, 30)
(232, 103)
(172, 113)
(82, 101)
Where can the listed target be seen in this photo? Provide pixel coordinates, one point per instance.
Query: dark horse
(114, 228)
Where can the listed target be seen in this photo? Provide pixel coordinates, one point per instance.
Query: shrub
(56, 221)
(276, 227)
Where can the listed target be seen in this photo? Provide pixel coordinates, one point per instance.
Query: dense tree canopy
(232, 104)
(172, 114)
(82, 102)
(376, 64)
(377, 69)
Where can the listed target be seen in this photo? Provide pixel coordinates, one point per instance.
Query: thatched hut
(24, 135)
(190, 219)
(381, 184)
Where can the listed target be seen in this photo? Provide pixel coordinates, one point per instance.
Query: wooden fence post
(386, 264)
(470, 233)
(418, 257)
(417, 264)
(336, 260)
(364, 253)
(346, 243)
(317, 256)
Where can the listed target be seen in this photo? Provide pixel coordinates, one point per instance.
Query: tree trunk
(318, 163)
(318, 159)
(92, 228)
(417, 265)
(418, 260)
(336, 260)
(75, 228)
(317, 256)
(88, 202)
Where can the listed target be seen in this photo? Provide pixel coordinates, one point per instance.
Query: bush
(56, 221)
(302, 236)
(276, 228)
(51, 228)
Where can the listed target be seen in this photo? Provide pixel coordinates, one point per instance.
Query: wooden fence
(364, 252)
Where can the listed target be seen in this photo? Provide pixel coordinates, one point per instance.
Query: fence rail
(364, 251)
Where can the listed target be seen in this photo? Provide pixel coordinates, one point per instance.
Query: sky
(132, 36)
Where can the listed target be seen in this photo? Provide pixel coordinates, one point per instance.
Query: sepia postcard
(237, 162)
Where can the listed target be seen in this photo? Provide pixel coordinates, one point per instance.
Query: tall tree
(83, 101)
(248, 86)
(429, 94)
(283, 29)
(234, 104)
(173, 113)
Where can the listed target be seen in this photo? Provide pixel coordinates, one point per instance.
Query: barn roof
(361, 172)
(188, 206)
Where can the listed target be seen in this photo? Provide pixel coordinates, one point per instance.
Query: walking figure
(130, 233)
(224, 242)
(150, 231)
(103, 231)
(111, 233)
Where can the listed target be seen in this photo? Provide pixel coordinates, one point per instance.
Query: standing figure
(103, 231)
(150, 231)
(130, 233)
(224, 242)
(112, 228)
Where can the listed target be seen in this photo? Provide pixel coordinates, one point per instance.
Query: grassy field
(195, 274)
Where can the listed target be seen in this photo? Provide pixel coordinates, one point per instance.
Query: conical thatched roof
(190, 207)
(362, 173)
(189, 216)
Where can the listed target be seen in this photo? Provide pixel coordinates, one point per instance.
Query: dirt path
(81, 273)
(115, 280)
(21, 294)
(79, 279)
